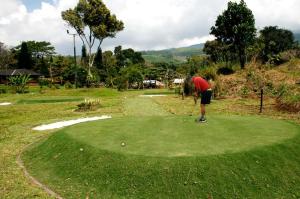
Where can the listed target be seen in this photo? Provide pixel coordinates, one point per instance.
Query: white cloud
(154, 24)
(195, 40)
(276, 12)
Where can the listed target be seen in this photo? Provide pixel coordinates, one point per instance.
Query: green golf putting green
(173, 136)
(170, 157)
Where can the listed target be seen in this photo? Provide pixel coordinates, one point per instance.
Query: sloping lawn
(153, 154)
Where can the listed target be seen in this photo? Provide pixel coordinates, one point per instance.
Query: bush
(89, 105)
(43, 82)
(283, 57)
(19, 83)
(209, 73)
(289, 102)
(68, 85)
(226, 70)
(3, 90)
(92, 81)
(121, 83)
(282, 90)
(244, 92)
(57, 86)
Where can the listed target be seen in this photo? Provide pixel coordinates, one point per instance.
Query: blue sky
(34, 4)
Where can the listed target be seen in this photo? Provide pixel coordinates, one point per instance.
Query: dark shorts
(206, 97)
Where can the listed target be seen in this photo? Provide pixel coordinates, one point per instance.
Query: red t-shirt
(200, 84)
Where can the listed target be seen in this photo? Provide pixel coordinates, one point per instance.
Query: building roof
(15, 72)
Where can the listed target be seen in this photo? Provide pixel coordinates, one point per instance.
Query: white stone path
(5, 104)
(61, 124)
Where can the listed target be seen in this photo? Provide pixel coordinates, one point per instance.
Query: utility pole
(75, 61)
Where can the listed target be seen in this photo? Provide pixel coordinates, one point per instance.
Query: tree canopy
(92, 21)
(6, 57)
(38, 49)
(24, 57)
(275, 40)
(236, 27)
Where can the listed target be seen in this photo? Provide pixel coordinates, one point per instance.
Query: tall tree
(92, 21)
(128, 57)
(25, 57)
(38, 52)
(236, 28)
(40, 49)
(120, 56)
(99, 59)
(275, 40)
(217, 51)
(109, 71)
(6, 57)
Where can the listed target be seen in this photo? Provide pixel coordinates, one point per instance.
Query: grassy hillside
(172, 54)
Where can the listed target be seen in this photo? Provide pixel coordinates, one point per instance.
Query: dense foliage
(275, 40)
(92, 21)
(236, 27)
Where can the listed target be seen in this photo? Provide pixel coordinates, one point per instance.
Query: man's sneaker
(200, 120)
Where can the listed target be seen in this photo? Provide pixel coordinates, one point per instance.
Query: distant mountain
(179, 55)
(176, 55)
(297, 37)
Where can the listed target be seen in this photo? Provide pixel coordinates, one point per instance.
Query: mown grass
(17, 120)
(177, 136)
(47, 101)
(268, 172)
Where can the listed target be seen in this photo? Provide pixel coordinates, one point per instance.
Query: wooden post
(261, 100)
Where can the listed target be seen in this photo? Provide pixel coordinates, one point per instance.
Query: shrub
(121, 83)
(3, 90)
(89, 105)
(19, 83)
(244, 92)
(226, 70)
(282, 90)
(209, 73)
(283, 57)
(43, 82)
(217, 89)
(290, 102)
(68, 85)
(92, 81)
(57, 86)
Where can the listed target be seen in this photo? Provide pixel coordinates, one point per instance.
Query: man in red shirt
(201, 86)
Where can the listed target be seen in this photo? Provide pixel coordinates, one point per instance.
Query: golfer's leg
(202, 110)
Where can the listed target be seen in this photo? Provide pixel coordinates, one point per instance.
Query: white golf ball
(123, 144)
(81, 149)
